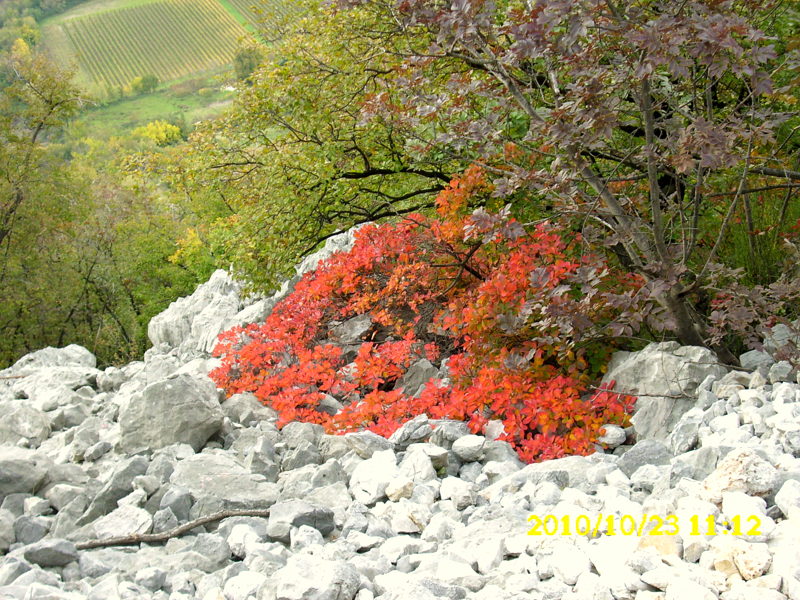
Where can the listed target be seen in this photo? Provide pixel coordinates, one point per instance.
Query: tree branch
(157, 538)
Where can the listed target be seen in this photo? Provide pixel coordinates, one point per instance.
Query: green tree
(246, 60)
(39, 99)
(159, 132)
(651, 125)
(296, 162)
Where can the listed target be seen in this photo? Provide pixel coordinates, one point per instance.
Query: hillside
(139, 482)
(111, 42)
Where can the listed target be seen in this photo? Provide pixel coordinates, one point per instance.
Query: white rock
(753, 561)
(126, 520)
(310, 578)
(683, 589)
(243, 586)
(371, 477)
(788, 497)
(400, 487)
(416, 465)
(614, 436)
(461, 492)
(741, 470)
(569, 562)
(469, 448)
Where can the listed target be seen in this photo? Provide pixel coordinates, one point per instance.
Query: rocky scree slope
(433, 512)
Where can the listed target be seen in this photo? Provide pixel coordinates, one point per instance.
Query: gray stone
(294, 513)
(304, 537)
(22, 422)
(742, 470)
(35, 506)
(11, 569)
(782, 371)
(418, 375)
(261, 459)
(469, 448)
(366, 443)
(646, 452)
(304, 481)
(246, 410)
(788, 497)
(69, 416)
(178, 500)
(193, 323)
(781, 336)
(21, 470)
(304, 453)
(217, 482)
(111, 379)
(754, 359)
(207, 552)
(118, 486)
(697, 464)
(414, 431)
(684, 436)
(51, 553)
(665, 378)
(417, 467)
(183, 409)
(445, 432)
(72, 355)
(164, 520)
(7, 535)
(151, 578)
(66, 521)
(28, 530)
(351, 331)
(296, 432)
(370, 478)
(126, 520)
(243, 586)
(95, 451)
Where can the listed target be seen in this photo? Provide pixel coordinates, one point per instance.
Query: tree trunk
(689, 327)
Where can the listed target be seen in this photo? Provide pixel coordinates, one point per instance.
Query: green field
(120, 117)
(167, 38)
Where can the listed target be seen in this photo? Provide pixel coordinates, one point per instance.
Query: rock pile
(700, 499)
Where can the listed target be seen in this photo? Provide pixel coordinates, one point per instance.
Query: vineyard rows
(268, 16)
(166, 38)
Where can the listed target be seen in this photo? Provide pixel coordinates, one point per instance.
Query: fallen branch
(13, 377)
(156, 538)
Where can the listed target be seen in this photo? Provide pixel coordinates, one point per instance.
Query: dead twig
(156, 538)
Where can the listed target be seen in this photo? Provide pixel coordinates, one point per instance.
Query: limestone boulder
(665, 378)
(181, 409)
(218, 482)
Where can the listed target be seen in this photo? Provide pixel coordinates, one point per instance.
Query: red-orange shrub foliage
(518, 315)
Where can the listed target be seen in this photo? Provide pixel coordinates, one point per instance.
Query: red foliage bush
(521, 317)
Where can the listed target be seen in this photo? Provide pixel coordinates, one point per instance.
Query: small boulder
(51, 553)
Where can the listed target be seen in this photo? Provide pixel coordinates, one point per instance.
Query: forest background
(660, 138)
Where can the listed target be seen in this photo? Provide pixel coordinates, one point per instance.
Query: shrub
(521, 317)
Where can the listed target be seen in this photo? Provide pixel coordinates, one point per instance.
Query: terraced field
(166, 38)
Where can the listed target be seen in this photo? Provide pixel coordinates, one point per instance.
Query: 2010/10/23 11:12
(630, 525)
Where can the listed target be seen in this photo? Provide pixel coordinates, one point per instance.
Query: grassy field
(120, 117)
(118, 41)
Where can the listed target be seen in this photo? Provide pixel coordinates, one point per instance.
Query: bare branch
(157, 538)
